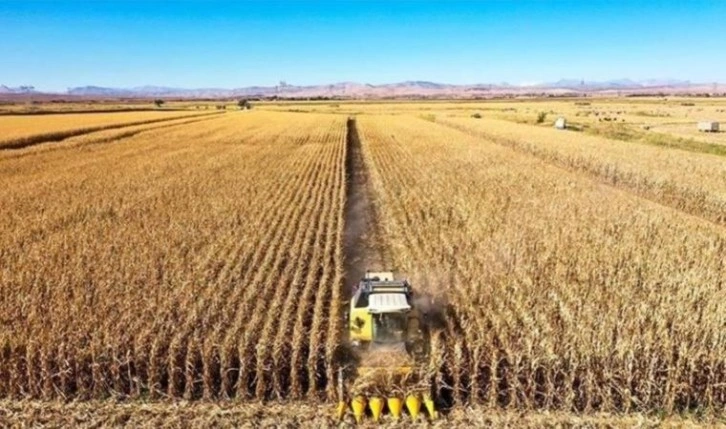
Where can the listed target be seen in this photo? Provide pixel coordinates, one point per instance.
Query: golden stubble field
(150, 258)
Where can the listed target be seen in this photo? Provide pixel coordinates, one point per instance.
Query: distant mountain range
(18, 90)
(393, 90)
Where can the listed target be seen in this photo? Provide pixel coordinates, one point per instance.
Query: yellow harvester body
(385, 325)
(382, 314)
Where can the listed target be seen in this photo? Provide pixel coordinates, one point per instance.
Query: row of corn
(376, 405)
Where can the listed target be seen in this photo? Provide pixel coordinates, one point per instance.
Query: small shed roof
(387, 303)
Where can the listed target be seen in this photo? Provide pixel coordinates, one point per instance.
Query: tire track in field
(361, 235)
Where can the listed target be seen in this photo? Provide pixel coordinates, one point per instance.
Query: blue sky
(58, 44)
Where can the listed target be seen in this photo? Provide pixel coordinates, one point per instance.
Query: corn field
(693, 183)
(199, 257)
(197, 261)
(18, 132)
(562, 293)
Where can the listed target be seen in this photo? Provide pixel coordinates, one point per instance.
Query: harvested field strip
(78, 111)
(24, 141)
(693, 183)
(104, 136)
(562, 294)
(361, 230)
(214, 235)
(660, 136)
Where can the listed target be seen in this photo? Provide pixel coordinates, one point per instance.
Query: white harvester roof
(387, 302)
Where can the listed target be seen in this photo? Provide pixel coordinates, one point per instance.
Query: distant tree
(244, 104)
(159, 102)
(476, 116)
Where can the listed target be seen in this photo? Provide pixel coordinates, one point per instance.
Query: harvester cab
(382, 314)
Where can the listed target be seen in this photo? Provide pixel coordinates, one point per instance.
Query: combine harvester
(391, 339)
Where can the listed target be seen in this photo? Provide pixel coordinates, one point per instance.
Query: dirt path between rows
(362, 236)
